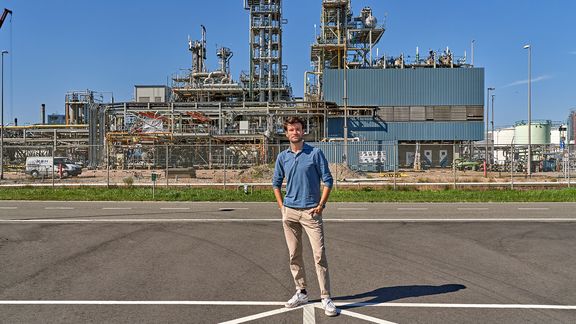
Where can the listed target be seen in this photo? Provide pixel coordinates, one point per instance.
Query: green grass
(362, 195)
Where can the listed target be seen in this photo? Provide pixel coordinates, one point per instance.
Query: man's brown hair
(292, 120)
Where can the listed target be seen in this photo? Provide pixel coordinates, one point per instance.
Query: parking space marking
(352, 208)
(8, 207)
(175, 208)
(308, 309)
(276, 303)
(59, 208)
(472, 208)
(533, 208)
(364, 317)
(412, 208)
(266, 220)
(116, 208)
(309, 316)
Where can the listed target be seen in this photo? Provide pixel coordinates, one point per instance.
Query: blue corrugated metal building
(406, 87)
(433, 106)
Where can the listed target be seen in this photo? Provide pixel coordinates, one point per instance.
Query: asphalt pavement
(150, 262)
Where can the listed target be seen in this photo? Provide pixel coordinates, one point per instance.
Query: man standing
(304, 167)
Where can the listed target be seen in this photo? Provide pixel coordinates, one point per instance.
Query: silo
(540, 132)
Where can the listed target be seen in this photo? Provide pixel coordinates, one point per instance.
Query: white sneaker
(329, 308)
(297, 300)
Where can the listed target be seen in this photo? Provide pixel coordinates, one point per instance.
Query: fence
(356, 164)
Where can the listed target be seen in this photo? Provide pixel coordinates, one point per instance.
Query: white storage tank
(540, 132)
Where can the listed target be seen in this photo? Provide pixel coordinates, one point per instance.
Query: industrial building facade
(434, 106)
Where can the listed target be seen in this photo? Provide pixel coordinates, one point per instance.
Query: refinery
(356, 103)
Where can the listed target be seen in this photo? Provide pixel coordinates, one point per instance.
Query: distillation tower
(266, 79)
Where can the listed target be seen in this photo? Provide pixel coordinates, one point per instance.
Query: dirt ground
(263, 174)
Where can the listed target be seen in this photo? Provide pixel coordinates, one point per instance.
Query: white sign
(372, 156)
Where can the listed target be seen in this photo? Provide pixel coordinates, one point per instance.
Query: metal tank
(540, 132)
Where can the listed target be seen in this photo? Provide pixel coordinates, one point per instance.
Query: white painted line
(267, 220)
(533, 208)
(359, 208)
(258, 316)
(59, 208)
(412, 208)
(483, 306)
(175, 208)
(309, 317)
(472, 208)
(116, 208)
(8, 207)
(141, 302)
(364, 317)
(273, 303)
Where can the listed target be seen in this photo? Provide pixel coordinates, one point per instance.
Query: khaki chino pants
(294, 220)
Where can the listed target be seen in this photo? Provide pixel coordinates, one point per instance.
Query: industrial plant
(372, 112)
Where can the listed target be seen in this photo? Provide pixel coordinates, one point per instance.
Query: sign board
(372, 156)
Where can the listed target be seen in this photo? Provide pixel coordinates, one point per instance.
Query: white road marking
(364, 317)
(8, 207)
(533, 208)
(352, 208)
(59, 208)
(175, 208)
(412, 208)
(266, 220)
(272, 303)
(116, 208)
(258, 316)
(309, 317)
(472, 208)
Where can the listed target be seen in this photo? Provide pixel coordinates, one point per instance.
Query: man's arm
(323, 200)
(278, 195)
(277, 180)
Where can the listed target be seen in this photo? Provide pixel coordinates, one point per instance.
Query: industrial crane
(4, 15)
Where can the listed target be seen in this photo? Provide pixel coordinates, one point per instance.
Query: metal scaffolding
(266, 80)
(344, 42)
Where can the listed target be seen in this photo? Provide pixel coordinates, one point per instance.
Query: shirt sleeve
(323, 169)
(278, 172)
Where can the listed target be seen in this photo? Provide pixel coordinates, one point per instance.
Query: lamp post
(472, 50)
(487, 118)
(492, 122)
(2, 121)
(529, 162)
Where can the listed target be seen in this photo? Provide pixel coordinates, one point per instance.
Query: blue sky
(109, 46)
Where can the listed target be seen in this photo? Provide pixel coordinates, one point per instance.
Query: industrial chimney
(43, 112)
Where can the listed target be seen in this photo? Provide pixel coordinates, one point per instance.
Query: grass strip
(349, 195)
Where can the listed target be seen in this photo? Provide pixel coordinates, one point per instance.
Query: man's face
(294, 133)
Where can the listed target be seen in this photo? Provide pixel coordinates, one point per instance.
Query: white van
(40, 166)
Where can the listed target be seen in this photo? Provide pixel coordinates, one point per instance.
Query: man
(304, 166)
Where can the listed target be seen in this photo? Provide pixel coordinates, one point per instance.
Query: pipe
(43, 114)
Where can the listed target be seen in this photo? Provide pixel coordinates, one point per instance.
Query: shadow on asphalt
(387, 294)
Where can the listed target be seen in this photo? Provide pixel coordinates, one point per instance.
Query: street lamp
(492, 122)
(487, 118)
(529, 162)
(2, 121)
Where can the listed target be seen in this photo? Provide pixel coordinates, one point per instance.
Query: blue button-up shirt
(303, 172)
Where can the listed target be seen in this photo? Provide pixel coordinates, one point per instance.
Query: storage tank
(540, 132)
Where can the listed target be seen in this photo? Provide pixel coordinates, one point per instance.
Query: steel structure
(200, 85)
(266, 79)
(344, 42)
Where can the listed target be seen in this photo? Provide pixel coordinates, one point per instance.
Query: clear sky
(111, 45)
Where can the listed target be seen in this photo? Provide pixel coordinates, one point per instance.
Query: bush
(128, 181)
